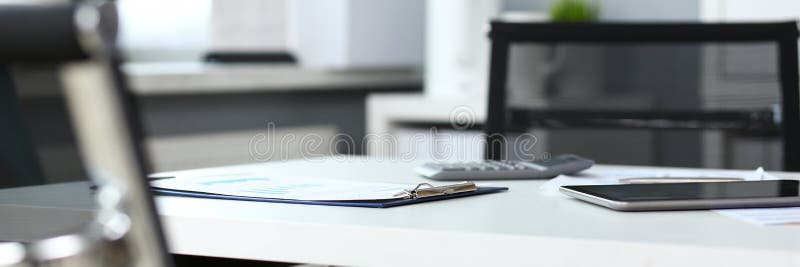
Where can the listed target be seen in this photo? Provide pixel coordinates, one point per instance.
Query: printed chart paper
(285, 188)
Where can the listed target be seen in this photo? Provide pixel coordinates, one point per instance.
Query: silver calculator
(505, 169)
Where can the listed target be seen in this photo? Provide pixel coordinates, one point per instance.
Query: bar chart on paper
(285, 188)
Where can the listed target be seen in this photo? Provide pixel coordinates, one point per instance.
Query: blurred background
(223, 81)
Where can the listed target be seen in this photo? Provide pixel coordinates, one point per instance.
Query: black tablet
(686, 196)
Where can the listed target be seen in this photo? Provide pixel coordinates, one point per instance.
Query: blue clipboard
(360, 204)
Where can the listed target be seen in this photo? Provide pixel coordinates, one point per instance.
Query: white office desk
(521, 227)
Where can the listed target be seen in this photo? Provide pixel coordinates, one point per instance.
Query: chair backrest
(19, 165)
(79, 38)
(784, 34)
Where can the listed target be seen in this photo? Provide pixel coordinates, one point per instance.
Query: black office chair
(79, 38)
(19, 165)
(502, 119)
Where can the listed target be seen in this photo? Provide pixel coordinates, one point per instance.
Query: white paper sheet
(765, 216)
(284, 188)
(599, 177)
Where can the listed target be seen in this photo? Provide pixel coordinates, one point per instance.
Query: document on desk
(286, 188)
(765, 216)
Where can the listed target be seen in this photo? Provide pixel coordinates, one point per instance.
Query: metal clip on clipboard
(424, 190)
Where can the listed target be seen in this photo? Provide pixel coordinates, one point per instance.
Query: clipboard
(424, 192)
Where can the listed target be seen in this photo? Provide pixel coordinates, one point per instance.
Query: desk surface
(179, 78)
(520, 227)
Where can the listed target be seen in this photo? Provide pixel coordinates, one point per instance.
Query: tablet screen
(693, 191)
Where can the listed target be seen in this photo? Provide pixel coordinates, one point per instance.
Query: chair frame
(79, 39)
(784, 34)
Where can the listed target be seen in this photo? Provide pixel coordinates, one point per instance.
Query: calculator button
(533, 166)
(504, 166)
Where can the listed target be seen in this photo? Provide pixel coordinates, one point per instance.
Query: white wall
(627, 9)
(743, 10)
(650, 10)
